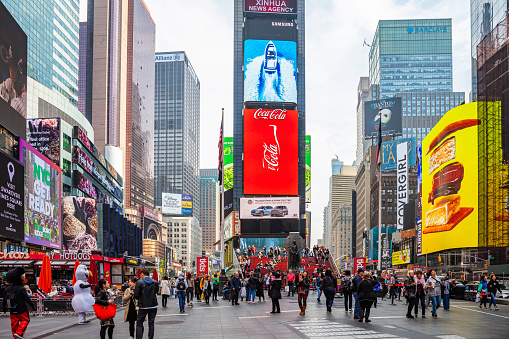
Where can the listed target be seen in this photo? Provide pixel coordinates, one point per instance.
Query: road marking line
(169, 315)
(479, 311)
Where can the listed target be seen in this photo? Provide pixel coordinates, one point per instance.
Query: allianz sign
(427, 29)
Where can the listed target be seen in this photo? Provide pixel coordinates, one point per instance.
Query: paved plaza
(221, 320)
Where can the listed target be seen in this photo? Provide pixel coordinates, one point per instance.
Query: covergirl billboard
(271, 152)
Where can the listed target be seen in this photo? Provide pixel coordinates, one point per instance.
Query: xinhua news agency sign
(426, 29)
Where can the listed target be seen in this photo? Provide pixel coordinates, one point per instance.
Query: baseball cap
(360, 269)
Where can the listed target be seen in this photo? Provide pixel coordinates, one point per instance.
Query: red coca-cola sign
(271, 152)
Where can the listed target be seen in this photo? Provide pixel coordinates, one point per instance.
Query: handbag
(105, 312)
(243, 292)
(478, 297)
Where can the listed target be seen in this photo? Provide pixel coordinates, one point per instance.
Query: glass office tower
(176, 128)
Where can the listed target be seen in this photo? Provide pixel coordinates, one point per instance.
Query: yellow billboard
(450, 182)
(401, 257)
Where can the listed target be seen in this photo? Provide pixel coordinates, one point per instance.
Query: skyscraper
(362, 95)
(177, 128)
(210, 207)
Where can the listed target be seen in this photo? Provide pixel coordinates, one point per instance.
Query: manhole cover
(169, 322)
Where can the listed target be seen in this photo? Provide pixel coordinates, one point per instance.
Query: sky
(335, 60)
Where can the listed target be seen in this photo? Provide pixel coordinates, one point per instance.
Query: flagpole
(221, 237)
(380, 197)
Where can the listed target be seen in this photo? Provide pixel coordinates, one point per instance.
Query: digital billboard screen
(269, 208)
(276, 28)
(228, 163)
(389, 155)
(11, 198)
(80, 223)
(391, 114)
(271, 6)
(44, 136)
(13, 64)
(450, 182)
(42, 197)
(271, 152)
(270, 70)
(308, 168)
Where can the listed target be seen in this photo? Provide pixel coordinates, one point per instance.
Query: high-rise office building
(484, 15)
(336, 166)
(210, 208)
(82, 69)
(413, 59)
(341, 231)
(362, 95)
(177, 128)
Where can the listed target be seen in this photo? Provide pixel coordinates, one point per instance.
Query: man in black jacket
(355, 283)
(16, 300)
(235, 288)
(146, 292)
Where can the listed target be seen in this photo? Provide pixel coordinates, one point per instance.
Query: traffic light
(439, 258)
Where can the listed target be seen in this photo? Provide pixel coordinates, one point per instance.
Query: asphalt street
(221, 320)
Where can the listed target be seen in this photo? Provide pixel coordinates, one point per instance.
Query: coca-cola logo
(271, 153)
(276, 114)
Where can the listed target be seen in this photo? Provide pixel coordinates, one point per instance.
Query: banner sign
(177, 204)
(401, 257)
(402, 182)
(418, 226)
(44, 136)
(308, 168)
(359, 263)
(228, 163)
(11, 198)
(389, 110)
(389, 149)
(269, 208)
(202, 264)
(271, 6)
(80, 223)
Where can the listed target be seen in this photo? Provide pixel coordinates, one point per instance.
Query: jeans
(319, 293)
(142, 313)
(492, 301)
(181, 295)
(290, 288)
(357, 309)
(189, 294)
(302, 300)
(314, 287)
(447, 301)
(224, 292)
(329, 295)
(251, 295)
(109, 328)
(435, 302)
(422, 298)
(348, 300)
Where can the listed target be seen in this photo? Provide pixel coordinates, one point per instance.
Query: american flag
(221, 148)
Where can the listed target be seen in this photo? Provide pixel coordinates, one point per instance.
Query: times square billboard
(271, 6)
(271, 152)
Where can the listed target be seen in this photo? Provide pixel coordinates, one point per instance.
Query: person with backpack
(16, 301)
(355, 284)
(346, 289)
(181, 287)
(146, 293)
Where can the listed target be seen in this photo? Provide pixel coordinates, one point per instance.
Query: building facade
(362, 95)
(363, 206)
(341, 237)
(210, 209)
(177, 128)
(185, 238)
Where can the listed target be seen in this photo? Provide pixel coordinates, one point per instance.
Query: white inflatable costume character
(82, 301)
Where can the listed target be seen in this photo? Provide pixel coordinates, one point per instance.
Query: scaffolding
(493, 142)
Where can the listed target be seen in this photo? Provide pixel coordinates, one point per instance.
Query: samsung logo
(427, 29)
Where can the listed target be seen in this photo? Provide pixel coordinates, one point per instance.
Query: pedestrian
(197, 291)
(253, 286)
(259, 288)
(290, 281)
(434, 291)
(356, 280)
(319, 278)
(346, 289)
(181, 287)
(420, 294)
(493, 287)
(130, 313)
(16, 301)
(215, 287)
(366, 296)
(446, 291)
(483, 291)
(275, 292)
(226, 288)
(235, 288)
(328, 286)
(410, 288)
(165, 290)
(146, 294)
(103, 298)
(190, 289)
(302, 291)
(207, 289)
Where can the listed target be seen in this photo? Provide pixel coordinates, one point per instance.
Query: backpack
(346, 285)
(181, 285)
(11, 300)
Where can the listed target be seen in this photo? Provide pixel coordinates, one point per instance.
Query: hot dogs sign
(449, 181)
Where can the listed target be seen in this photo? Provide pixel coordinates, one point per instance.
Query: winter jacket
(22, 299)
(146, 292)
(434, 286)
(127, 300)
(253, 283)
(420, 282)
(328, 282)
(493, 286)
(410, 287)
(483, 285)
(165, 287)
(235, 283)
(355, 283)
(303, 287)
(275, 289)
(346, 284)
(179, 279)
(365, 290)
(102, 298)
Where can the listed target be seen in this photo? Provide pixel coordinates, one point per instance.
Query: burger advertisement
(450, 182)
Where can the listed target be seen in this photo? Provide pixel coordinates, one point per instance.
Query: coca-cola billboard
(270, 151)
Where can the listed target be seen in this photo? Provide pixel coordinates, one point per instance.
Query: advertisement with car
(269, 208)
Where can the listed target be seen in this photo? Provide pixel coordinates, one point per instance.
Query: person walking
(302, 291)
(190, 289)
(215, 287)
(259, 288)
(181, 287)
(197, 290)
(410, 288)
(328, 287)
(355, 283)
(275, 292)
(16, 301)
(252, 285)
(165, 290)
(146, 294)
(103, 298)
(207, 289)
(420, 294)
(319, 277)
(446, 292)
(366, 296)
(493, 287)
(235, 288)
(434, 286)
(483, 291)
(346, 289)
(290, 281)
(130, 313)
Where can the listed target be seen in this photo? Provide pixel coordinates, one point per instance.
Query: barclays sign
(427, 29)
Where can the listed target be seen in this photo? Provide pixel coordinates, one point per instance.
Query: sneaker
(424, 316)
(367, 320)
(496, 308)
(409, 316)
(350, 310)
(18, 336)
